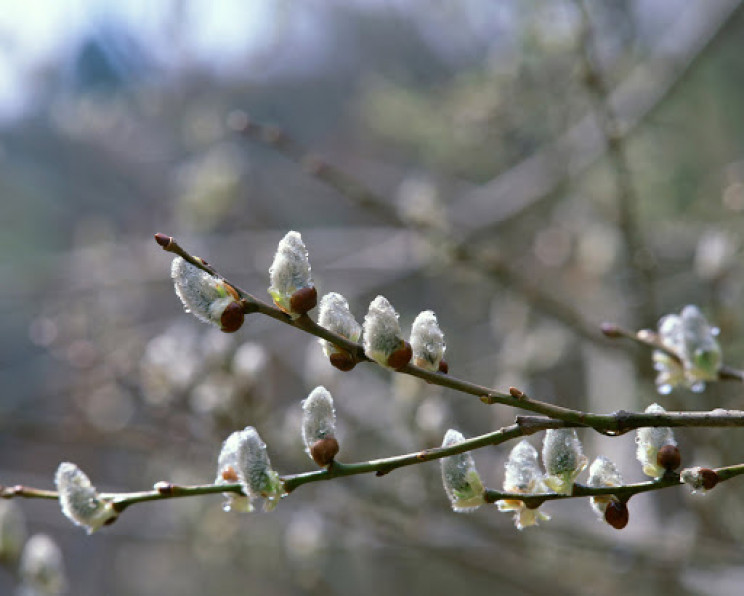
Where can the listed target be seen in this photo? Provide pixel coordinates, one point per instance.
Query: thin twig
(650, 339)
(638, 255)
(166, 490)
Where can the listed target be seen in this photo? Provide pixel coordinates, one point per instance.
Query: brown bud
(400, 357)
(229, 474)
(342, 361)
(533, 503)
(443, 367)
(163, 240)
(324, 450)
(164, 488)
(617, 515)
(303, 300)
(610, 330)
(110, 520)
(516, 393)
(709, 478)
(669, 457)
(232, 317)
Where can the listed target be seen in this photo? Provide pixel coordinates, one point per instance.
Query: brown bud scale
(709, 477)
(229, 474)
(400, 357)
(324, 450)
(617, 514)
(230, 290)
(516, 393)
(443, 367)
(669, 457)
(163, 240)
(342, 361)
(303, 300)
(164, 488)
(232, 318)
(610, 330)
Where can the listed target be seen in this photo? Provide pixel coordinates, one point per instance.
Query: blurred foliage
(100, 366)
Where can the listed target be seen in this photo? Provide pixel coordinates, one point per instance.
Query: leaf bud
(669, 457)
(292, 286)
(523, 476)
(699, 479)
(323, 451)
(563, 459)
(79, 499)
(243, 459)
(603, 474)
(383, 342)
(617, 514)
(649, 440)
(319, 426)
(427, 341)
(461, 480)
(207, 297)
(335, 316)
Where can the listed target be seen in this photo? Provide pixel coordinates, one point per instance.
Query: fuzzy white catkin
(382, 335)
(246, 454)
(563, 458)
(460, 478)
(335, 316)
(41, 569)
(230, 470)
(693, 340)
(703, 354)
(79, 499)
(524, 476)
(427, 341)
(648, 442)
(523, 472)
(603, 473)
(202, 294)
(290, 270)
(318, 417)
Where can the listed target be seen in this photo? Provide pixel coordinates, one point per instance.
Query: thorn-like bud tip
(163, 240)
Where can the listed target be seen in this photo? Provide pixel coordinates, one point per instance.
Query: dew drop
(698, 387)
(226, 506)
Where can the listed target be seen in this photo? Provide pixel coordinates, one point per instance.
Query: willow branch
(166, 490)
(612, 424)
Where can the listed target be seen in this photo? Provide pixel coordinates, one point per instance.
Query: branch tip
(164, 241)
(611, 330)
